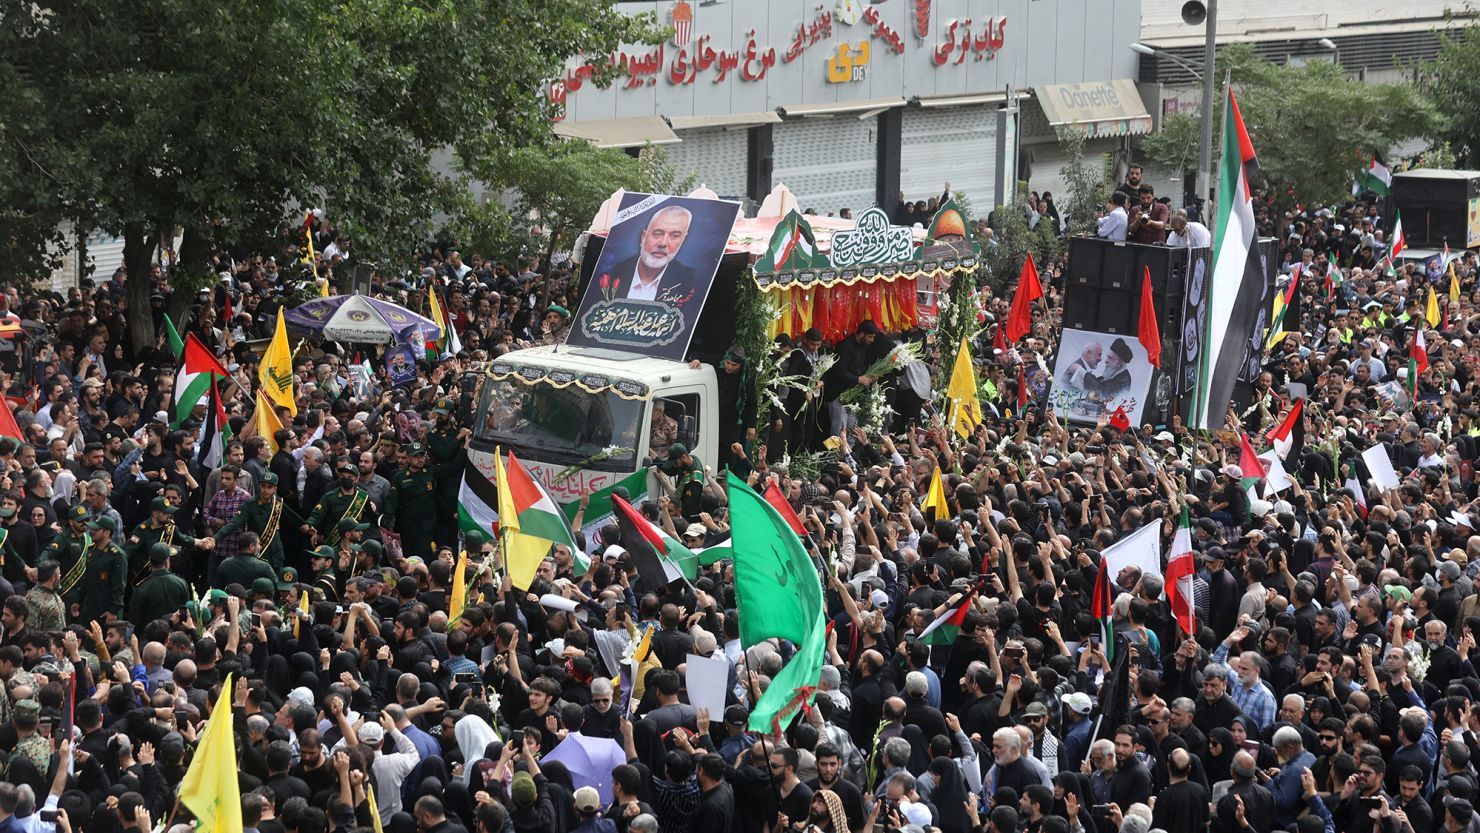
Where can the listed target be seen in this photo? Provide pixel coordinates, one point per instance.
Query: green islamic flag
(779, 595)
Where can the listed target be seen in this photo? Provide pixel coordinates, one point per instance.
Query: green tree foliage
(1312, 126)
(217, 117)
(1453, 78)
(1087, 182)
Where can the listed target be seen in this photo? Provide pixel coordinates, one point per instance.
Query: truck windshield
(566, 425)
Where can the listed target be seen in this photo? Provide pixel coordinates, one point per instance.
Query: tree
(1087, 182)
(219, 117)
(1312, 126)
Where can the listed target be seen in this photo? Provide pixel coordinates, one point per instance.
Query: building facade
(852, 103)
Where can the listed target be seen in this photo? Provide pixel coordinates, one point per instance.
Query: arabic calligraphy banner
(758, 55)
(653, 275)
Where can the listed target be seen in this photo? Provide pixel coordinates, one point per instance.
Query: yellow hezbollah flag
(303, 594)
(210, 789)
(267, 422)
(936, 499)
(276, 371)
(966, 410)
(1431, 314)
(522, 553)
(459, 587)
(1453, 284)
(374, 809)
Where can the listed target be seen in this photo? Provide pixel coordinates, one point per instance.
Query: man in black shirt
(795, 798)
(830, 777)
(716, 809)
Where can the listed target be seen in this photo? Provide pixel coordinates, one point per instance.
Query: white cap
(613, 553)
(1078, 702)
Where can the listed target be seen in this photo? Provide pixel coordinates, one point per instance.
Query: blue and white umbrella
(360, 319)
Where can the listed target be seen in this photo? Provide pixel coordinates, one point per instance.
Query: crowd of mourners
(1328, 684)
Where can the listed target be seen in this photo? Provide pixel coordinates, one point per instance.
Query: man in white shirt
(1113, 226)
(653, 275)
(1188, 234)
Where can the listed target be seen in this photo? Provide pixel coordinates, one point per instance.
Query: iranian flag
(1418, 358)
(1180, 569)
(946, 626)
(193, 380)
(1377, 178)
(1400, 242)
(1236, 289)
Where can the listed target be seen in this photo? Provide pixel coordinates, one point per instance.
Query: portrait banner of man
(1095, 373)
(653, 274)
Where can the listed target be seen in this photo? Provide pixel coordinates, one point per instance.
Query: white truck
(559, 407)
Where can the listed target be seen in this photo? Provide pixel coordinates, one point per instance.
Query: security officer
(321, 564)
(448, 447)
(414, 504)
(266, 516)
(687, 473)
(286, 578)
(107, 574)
(245, 567)
(71, 549)
(161, 592)
(349, 501)
(159, 529)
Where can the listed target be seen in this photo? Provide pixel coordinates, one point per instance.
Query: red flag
(227, 315)
(1022, 391)
(998, 340)
(1419, 352)
(1020, 317)
(1119, 420)
(1248, 461)
(8, 426)
(778, 502)
(1150, 331)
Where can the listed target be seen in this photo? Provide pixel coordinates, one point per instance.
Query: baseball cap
(159, 504)
(103, 522)
(371, 733)
(77, 513)
(324, 551)
(695, 531)
(268, 479)
(351, 525)
(1035, 709)
(916, 684)
(1078, 702)
(263, 587)
(415, 448)
(287, 577)
(587, 800)
(736, 715)
(1461, 808)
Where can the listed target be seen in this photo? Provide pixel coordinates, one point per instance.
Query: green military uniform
(448, 458)
(47, 611)
(266, 517)
(106, 577)
(243, 568)
(336, 505)
(161, 593)
(324, 582)
(71, 549)
(412, 507)
(142, 540)
(688, 479)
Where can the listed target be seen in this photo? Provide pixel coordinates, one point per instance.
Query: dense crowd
(1327, 685)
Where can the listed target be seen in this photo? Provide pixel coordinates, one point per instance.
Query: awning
(724, 120)
(837, 107)
(965, 100)
(1101, 108)
(620, 133)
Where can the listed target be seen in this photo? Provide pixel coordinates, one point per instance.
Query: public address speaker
(1194, 12)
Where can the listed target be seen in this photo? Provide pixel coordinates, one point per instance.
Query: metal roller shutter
(714, 156)
(828, 162)
(950, 144)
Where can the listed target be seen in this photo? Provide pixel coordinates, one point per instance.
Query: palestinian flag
(783, 508)
(477, 502)
(1101, 606)
(1236, 288)
(193, 380)
(944, 629)
(215, 431)
(1400, 242)
(1250, 464)
(1377, 178)
(1289, 436)
(660, 560)
(177, 344)
(539, 517)
(599, 509)
(1180, 569)
(793, 236)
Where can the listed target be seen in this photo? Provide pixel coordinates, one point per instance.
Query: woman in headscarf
(474, 736)
(562, 794)
(949, 796)
(1221, 748)
(1246, 737)
(1066, 784)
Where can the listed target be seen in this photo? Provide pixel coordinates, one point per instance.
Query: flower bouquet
(903, 353)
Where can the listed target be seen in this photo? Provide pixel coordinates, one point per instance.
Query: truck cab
(559, 408)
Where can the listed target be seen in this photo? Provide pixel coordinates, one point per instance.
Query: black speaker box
(1103, 285)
